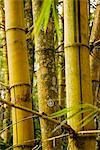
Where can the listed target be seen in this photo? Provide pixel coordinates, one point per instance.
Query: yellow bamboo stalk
(72, 71)
(18, 73)
(78, 83)
(85, 72)
(71, 60)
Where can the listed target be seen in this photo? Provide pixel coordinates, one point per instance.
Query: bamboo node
(14, 28)
(20, 84)
(23, 145)
(77, 44)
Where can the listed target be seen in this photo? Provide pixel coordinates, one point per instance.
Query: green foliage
(48, 8)
(74, 110)
(91, 110)
(56, 20)
(88, 118)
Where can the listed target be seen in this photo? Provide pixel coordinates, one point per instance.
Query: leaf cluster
(90, 110)
(48, 9)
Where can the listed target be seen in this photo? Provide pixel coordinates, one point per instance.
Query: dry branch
(69, 129)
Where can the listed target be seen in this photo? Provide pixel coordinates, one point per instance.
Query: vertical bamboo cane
(72, 68)
(78, 84)
(85, 71)
(18, 74)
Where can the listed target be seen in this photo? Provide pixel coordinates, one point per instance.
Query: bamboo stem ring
(77, 44)
(20, 84)
(15, 28)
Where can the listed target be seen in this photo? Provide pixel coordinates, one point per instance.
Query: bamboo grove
(49, 75)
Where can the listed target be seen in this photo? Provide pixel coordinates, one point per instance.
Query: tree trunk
(18, 75)
(46, 80)
(78, 84)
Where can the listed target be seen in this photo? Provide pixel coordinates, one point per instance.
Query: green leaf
(40, 19)
(47, 15)
(74, 109)
(61, 112)
(88, 118)
(43, 17)
(56, 19)
(71, 116)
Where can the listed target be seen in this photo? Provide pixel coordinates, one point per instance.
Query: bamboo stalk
(18, 72)
(78, 83)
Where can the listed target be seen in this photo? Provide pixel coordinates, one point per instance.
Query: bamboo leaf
(78, 113)
(61, 112)
(89, 118)
(47, 15)
(73, 115)
(73, 109)
(56, 19)
(40, 18)
(43, 18)
(85, 118)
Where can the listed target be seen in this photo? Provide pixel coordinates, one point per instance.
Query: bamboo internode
(18, 72)
(78, 83)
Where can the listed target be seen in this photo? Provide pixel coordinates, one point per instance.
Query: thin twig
(70, 130)
(37, 147)
(31, 28)
(89, 132)
(56, 137)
